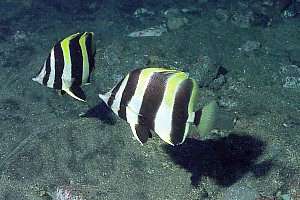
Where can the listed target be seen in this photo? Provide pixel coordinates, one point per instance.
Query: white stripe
(85, 71)
(50, 82)
(134, 105)
(67, 72)
(117, 101)
(163, 122)
(186, 131)
(163, 118)
(132, 126)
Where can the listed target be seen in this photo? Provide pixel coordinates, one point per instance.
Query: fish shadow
(102, 112)
(224, 160)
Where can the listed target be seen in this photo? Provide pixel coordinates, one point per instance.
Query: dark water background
(245, 54)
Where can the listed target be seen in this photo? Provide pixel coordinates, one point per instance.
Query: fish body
(69, 65)
(158, 100)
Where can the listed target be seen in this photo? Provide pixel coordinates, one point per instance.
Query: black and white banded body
(161, 101)
(69, 65)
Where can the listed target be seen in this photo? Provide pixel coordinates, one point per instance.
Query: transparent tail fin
(205, 119)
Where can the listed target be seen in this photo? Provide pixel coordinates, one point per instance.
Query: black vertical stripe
(91, 51)
(197, 118)
(142, 132)
(180, 111)
(76, 60)
(48, 70)
(59, 66)
(129, 92)
(153, 98)
(114, 91)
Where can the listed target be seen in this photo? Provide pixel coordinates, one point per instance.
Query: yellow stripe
(194, 97)
(66, 48)
(145, 76)
(85, 62)
(172, 85)
(83, 46)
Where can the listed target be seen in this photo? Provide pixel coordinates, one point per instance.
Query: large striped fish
(161, 101)
(69, 65)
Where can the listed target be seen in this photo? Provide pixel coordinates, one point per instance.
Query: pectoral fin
(140, 132)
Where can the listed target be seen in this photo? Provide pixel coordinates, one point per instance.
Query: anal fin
(60, 92)
(87, 83)
(140, 132)
(76, 92)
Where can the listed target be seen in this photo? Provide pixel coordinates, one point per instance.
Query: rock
(294, 56)
(68, 192)
(153, 60)
(292, 82)
(191, 10)
(142, 12)
(243, 19)
(204, 71)
(218, 82)
(290, 76)
(290, 190)
(238, 192)
(175, 19)
(250, 46)
(268, 11)
(289, 13)
(175, 23)
(19, 37)
(154, 31)
(222, 15)
(172, 12)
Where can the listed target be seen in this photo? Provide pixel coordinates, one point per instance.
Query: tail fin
(205, 119)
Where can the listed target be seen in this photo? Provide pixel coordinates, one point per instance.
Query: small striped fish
(161, 101)
(69, 65)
